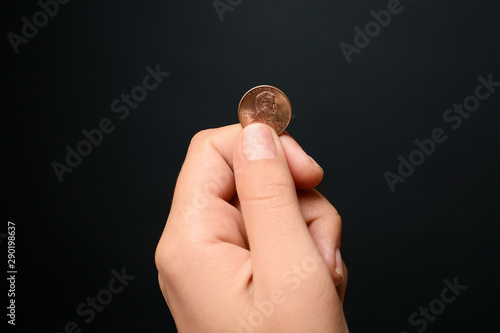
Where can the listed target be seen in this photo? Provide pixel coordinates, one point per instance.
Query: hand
(249, 245)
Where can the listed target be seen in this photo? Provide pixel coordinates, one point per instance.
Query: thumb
(278, 236)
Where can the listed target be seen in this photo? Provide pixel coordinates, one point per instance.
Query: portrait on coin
(265, 107)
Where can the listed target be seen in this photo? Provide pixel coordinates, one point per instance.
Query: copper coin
(267, 105)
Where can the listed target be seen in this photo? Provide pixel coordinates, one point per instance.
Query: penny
(266, 105)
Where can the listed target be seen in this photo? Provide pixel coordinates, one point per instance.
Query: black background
(354, 119)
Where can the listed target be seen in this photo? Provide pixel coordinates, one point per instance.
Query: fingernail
(258, 142)
(339, 268)
(314, 162)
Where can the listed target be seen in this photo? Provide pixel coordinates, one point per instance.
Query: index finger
(207, 169)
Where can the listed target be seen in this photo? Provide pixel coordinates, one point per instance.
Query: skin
(249, 244)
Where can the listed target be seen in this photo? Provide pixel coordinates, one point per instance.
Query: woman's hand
(249, 245)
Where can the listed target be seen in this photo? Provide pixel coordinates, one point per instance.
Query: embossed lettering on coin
(267, 105)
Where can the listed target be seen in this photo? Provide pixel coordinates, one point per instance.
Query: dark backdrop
(354, 118)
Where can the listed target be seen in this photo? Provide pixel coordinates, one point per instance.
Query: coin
(267, 105)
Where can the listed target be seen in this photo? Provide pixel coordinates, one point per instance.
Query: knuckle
(201, 137)
(178, 249)
(330, 219)
(166, 256)
(272, 195)
(161, 256)
(201, 142)
(332, 211)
